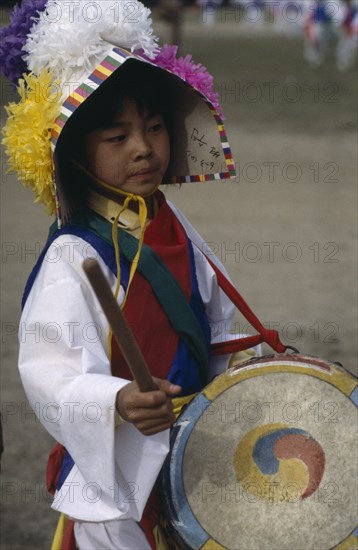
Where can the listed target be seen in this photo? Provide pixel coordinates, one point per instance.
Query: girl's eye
(156, 127)
(117, 139)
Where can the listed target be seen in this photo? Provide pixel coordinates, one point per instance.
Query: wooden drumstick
(120, 328)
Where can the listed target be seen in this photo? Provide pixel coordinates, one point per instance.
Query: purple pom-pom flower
(14, 36)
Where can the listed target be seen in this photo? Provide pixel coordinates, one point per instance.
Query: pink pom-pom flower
(194, 73)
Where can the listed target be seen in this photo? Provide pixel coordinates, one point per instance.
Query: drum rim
(186, 526)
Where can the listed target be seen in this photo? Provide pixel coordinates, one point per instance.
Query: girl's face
(133, 153)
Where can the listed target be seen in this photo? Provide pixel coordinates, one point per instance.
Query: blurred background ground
(285, 228)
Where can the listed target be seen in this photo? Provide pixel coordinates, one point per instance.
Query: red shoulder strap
(269, 336)
(54, 465)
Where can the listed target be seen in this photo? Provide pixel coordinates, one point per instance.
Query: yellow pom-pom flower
(27, 134)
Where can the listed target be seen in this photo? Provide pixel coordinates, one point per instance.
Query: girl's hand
(150, 412)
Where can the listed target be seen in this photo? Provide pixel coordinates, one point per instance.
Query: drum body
(266, 458)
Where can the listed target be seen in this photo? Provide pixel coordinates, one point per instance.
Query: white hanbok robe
(66, 374)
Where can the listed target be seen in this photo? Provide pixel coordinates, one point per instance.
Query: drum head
(266, 458)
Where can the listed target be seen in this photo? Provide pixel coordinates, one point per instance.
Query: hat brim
(199, 147)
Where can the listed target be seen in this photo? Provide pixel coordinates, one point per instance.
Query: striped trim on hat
(115, 58)
(105, 69)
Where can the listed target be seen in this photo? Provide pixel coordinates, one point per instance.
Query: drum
(266, 458)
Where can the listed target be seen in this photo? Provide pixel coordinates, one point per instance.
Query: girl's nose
(141, 147)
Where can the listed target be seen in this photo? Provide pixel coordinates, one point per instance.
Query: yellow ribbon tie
(134, 264)
(142, 221)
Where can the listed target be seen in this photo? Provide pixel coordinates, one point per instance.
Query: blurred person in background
(327, 21)
(347, 46)
(317, 32)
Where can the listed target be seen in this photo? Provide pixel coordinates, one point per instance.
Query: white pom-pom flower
(72, 38)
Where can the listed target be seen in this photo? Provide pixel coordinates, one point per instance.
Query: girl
(129, 124)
